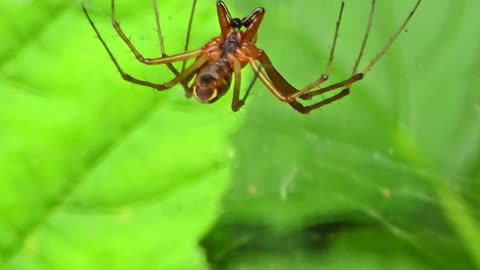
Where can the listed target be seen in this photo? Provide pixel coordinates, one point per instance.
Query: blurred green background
(97, 173)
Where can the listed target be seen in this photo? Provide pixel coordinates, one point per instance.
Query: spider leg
(160, 41)
(280, 93)
(252, 83)
(188, 92)
(189, 30)
(160, 37)
(280, 87)
(325, 76)
(183, 77)
(150, 61)
(346, 83)
(358, 76)
(237, 103)
(365, 38)
(224, 18)
(392, 39)
(306, 109)
(255, 19)
(305, 94)
(287, 93)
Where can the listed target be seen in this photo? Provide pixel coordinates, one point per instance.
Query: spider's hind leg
(306, 109)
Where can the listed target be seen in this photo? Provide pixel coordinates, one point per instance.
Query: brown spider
(231, 51)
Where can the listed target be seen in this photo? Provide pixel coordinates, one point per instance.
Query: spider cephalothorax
(226, 55)
(234, 47)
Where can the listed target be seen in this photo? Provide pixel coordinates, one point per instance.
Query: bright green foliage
(97, 173)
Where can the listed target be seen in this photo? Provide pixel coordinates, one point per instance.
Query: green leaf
(386, 178)
(98, 173)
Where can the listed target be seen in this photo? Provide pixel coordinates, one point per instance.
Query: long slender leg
(189, 30)
(237, 103)
(392, 39)
(294, 103)
(325, 76)
(160, 37)
(306, 109)
(252, 83)
(361, 75)
(278, 89)
(364, 42)
(150, 61)
(284, 91)
(162, 45)
(288, 90)
(348, 83)
(237, 71)
(188, 90)
(187, 74)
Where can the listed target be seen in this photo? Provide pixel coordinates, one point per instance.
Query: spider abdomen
(212, 81)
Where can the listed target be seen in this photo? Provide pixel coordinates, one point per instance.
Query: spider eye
(246, 22)
(236, 23)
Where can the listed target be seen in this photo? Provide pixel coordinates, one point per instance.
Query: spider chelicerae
(234, 49)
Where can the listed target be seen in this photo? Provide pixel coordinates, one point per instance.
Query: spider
(227, 54)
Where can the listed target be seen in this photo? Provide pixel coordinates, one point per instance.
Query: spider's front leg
(133, 49)
(182, 78)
